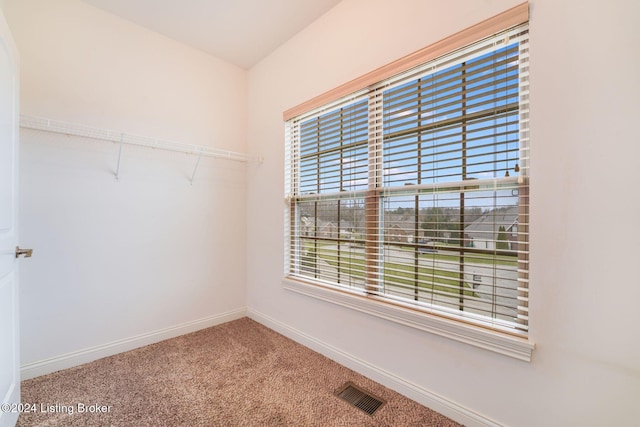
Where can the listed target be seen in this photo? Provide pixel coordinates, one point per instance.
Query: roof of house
(488, 225)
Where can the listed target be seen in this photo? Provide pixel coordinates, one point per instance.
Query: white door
(9, 339)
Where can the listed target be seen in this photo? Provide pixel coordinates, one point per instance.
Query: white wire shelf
(66, 128)
(122, 138)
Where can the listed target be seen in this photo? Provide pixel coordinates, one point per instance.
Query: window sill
(505, 344)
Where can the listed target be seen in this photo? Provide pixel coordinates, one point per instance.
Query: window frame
(494, 337)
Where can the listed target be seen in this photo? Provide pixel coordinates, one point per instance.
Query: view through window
(416, 190)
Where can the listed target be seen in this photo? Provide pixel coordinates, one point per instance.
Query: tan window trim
(509, 18)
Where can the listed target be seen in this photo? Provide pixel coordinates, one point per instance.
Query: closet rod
(66, 128)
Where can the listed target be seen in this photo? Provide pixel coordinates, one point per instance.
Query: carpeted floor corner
(235, 374)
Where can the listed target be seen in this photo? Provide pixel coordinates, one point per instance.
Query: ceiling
(241, 32)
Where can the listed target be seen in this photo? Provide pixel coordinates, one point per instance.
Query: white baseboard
(69, 360)
(403, 386)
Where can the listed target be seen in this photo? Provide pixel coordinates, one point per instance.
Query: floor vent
(359, 398)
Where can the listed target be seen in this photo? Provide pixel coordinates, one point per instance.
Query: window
(413, 191)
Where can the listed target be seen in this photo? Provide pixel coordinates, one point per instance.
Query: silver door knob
(26, 252)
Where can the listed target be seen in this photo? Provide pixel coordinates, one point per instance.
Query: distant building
(325, 229)
(395, 233)
(483, 232)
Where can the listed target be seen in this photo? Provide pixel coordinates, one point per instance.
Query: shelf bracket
(119, 156)
(193, 175)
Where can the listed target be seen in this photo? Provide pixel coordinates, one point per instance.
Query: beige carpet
(236, 374)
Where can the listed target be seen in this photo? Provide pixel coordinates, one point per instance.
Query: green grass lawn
(476, 258)
(399, 275)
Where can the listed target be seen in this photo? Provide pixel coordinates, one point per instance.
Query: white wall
(149, 252)
(584, 301)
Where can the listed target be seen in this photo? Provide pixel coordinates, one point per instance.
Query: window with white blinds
(414, 190)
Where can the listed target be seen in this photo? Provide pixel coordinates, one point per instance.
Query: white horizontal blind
(418, 192)
(327, 184)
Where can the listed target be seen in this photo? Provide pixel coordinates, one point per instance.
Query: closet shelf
(66, 128)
